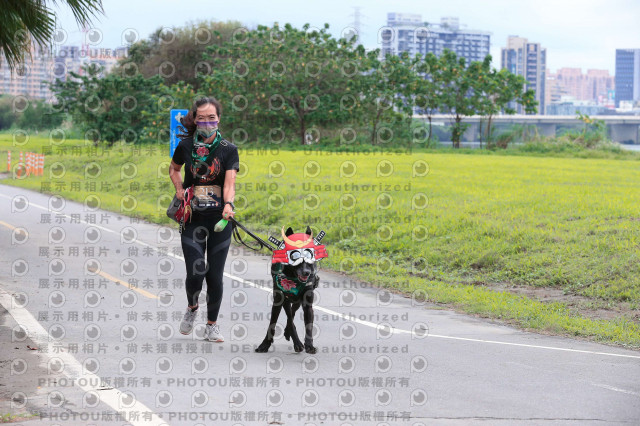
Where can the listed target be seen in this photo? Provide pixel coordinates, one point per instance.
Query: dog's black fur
(290, 302)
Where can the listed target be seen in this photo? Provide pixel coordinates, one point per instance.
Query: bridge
(620, 128)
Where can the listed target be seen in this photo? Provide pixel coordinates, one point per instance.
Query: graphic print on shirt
(205, 173)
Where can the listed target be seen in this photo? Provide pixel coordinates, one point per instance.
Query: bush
(517, 133)
(36, 115)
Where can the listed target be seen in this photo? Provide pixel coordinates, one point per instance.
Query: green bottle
(222, 223)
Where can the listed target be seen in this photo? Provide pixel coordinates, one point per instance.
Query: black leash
(238, 238)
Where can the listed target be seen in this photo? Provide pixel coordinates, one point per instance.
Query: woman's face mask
(206, 129)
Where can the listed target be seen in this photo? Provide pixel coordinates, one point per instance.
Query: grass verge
(436, 225)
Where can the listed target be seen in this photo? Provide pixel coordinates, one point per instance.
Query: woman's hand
(176, 178)
(229, 192)
(180, 194)
(227, 212)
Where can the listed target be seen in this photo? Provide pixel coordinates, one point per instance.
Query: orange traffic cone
(20, 165)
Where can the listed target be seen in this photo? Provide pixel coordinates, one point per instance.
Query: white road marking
(616, 389)
(73, 369)
(362, 322)
(401, 331)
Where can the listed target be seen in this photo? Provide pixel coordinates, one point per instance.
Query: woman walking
(211, 164)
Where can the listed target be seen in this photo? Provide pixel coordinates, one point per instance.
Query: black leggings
(196, 236)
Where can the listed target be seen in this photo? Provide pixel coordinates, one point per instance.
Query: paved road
(107, 352)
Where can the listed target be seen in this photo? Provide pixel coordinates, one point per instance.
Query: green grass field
(549, 244)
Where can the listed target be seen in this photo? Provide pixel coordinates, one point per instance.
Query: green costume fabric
(287, 285)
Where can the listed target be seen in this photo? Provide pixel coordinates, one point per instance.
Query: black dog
(294, 272)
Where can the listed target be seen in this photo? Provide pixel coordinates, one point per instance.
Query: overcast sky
(577, 33)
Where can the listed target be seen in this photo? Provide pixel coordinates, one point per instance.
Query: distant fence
(620, 128)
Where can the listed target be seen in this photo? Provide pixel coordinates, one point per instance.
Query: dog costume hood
(292, 250)
(297, 241)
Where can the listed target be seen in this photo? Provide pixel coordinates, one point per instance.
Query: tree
(378, 89)
(107, 108)
(163, 100)
(24, 20)
(429, 91)
(283, 77)
(39, 115)
(176, 55)
(387, 92)
(36, 114)
(7, 113)
(477, 89)
(408, 79)
(457, 86)
(500, 90)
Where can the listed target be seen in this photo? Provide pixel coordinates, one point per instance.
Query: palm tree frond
(83, 10)
(25, 21)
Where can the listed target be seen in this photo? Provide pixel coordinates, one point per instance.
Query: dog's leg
(307, 310)
(278, 300)
(290, 330)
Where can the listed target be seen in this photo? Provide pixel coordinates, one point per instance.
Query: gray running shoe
(186, 325)
(212, 333)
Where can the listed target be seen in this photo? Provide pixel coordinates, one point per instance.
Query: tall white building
(409, 33)
(29, 78)
(32, 77)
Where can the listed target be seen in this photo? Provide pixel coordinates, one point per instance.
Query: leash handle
(236, 234)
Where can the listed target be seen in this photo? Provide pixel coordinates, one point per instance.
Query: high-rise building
(554, 90)
(44, 66)
(29, 78)
(627, 75)
(409, 33)
(599, 84)
(530, 61)
(594, 86)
